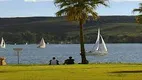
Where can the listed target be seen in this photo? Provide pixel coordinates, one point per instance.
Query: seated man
(53, 61)
(69, 61)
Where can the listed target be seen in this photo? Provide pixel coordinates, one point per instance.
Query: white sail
(42, 44)
(2, 45)
(103, 45)
(96, 46)
(26, 43)
(99, 48)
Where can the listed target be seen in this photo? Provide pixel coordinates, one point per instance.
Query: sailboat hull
(2, 46)
(96, 53)
(41, 46)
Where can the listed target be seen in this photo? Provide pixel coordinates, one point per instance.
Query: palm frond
(138, 9)
(78, 9)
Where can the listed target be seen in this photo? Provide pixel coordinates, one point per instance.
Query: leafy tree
(79, 10)
(29, 37)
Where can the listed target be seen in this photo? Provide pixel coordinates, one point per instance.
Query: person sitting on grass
(69, 61)
(53, 61)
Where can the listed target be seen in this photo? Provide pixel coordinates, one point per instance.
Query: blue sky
(22, 8)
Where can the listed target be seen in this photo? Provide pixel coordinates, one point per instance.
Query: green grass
(72, 72)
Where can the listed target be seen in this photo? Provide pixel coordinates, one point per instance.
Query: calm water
(32, 55)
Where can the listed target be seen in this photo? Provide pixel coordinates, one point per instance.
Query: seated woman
(53, 61)
(69, 61)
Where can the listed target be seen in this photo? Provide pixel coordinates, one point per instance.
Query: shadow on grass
(137, 71)
(7, 71)
(11, 71)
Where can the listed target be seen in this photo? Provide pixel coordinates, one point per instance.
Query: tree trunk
(82, 49)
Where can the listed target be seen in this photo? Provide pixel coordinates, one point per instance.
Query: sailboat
(99, 48)
(42, 44)
(2, 45)
(26, 43)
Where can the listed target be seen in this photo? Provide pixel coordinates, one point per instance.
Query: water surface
(30, 54)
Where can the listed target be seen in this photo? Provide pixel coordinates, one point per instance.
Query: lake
(126, 53)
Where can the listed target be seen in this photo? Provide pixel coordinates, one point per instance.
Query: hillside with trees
(115, 29)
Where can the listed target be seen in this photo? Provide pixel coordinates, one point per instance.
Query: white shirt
(54, 62)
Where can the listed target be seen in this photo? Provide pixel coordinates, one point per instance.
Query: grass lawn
(72, 72)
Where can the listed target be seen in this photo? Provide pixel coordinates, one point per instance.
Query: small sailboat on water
(2, 45)
(26, 43)
(42, 44)
(99, 48)
(15, 44)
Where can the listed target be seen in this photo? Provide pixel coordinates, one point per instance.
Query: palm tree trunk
(82, 49)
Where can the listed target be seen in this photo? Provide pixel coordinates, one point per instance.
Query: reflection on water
(33, 55)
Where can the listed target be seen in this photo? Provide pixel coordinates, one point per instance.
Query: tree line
(34, 38)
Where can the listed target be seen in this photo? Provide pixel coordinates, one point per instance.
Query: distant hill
(36, 24)
(111, 19)
(59, 29)
(55, 24)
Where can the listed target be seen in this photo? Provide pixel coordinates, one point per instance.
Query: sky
(29, 8)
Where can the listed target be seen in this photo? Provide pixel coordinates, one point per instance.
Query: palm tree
(139, 17)
(79, 10)
(138, 9)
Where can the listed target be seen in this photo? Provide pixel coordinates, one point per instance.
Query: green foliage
(112, 33)
(57, 29)
(139, 17)
(25, 37)
(138, 9)
(78, 10)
